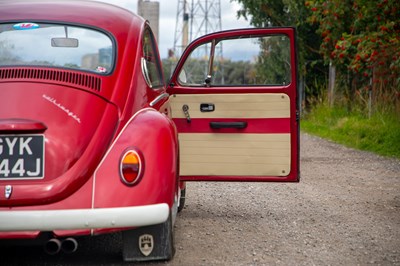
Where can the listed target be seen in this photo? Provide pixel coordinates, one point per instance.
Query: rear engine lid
(52, 138)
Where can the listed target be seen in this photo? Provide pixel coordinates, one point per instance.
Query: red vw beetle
(94, 141)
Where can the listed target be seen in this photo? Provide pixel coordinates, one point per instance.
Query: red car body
(101, 143)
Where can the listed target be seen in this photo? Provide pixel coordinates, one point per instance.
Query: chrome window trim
(159, 98)
(146, 73)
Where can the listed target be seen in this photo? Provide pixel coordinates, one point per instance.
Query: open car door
(233, 99)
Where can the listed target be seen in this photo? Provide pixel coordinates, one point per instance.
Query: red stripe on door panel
(262, 125)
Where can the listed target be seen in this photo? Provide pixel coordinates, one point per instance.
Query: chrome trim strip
(50, 220)
(159, 98)
(145, 72)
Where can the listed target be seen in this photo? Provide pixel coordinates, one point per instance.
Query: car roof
(97, 14)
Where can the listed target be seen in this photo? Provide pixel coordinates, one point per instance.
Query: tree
(270, 13)
(362, 38)
(273, 62)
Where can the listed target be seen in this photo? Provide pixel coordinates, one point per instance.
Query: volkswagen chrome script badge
(146, 244)
(7, 191)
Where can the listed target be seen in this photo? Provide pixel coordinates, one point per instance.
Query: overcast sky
(168, 10)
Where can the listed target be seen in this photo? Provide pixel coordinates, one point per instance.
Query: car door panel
(237, 132)
(229, 150)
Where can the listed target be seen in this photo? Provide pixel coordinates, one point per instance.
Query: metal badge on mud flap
(146, 244)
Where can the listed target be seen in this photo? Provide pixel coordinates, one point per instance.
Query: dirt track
(345, 211)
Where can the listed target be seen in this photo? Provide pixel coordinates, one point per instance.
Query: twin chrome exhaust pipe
(54, 246)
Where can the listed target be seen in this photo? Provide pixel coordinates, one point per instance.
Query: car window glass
(248, 61)
(55, 45)
(151, 63)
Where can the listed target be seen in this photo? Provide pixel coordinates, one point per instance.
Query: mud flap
(149, 243)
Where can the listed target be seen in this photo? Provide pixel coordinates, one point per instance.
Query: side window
(151, 66)
(247, 61)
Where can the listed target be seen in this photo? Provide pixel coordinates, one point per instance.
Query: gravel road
(345, 211)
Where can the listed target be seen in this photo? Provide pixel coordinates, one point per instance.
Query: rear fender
(154, 135)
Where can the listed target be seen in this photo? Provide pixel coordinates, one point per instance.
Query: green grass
(379, 134)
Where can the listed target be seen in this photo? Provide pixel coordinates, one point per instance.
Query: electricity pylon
(195, 18)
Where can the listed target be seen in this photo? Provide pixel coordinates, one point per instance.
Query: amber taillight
(131, 167)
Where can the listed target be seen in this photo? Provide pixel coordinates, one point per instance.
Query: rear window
(55, 45)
